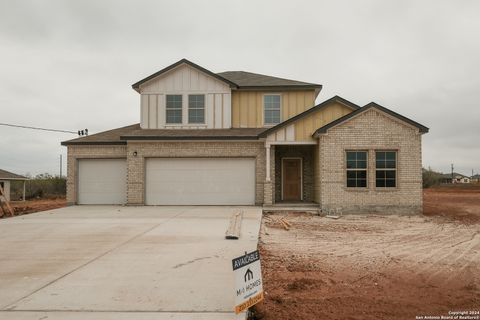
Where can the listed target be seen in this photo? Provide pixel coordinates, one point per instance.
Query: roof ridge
(265, 75)
(366, 107)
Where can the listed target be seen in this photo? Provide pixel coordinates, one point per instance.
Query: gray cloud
(70, 64)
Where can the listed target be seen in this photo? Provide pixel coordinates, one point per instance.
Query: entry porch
(291, 175)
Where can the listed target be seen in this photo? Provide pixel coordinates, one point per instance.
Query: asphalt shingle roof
(252, 80)
(134, 132)
(237, 79)
(6, 175)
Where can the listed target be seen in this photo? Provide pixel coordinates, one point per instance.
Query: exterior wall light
(135, 153)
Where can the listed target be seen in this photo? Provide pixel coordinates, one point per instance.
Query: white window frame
(263, 109)
(204, 108)
(166, 110)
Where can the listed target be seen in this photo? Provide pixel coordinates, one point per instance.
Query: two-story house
(240, 138)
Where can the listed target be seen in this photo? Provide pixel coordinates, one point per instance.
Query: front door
(292, 179)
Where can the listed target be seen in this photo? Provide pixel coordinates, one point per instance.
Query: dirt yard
(375, 267)
(31, 206)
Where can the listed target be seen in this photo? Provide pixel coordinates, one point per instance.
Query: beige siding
(247, 106)
(304, 128)
(185, 80)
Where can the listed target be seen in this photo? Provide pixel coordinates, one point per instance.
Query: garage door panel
(187, 181)
(102, 181)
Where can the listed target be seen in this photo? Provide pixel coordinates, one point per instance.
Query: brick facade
(136, 164)
(371, 130)
(75, 153)
(324, 167)
(296, 151)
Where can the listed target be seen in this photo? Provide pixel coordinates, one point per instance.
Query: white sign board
(248, 281)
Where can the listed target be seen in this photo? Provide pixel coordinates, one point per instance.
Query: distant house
(455, 178)
(5, 179)
(475, 178)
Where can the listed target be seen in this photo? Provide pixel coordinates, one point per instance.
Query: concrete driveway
(109, 262)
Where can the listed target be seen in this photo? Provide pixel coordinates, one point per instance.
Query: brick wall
(75, 153)
(292, 151)
(136, 165)
(372, 130)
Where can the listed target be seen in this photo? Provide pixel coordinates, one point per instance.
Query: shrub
(41, 186)
(430, 178)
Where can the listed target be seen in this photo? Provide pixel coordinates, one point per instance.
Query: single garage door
(102, 181)
(200, 181)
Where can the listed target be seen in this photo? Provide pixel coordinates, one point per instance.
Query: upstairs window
(196, 108)
(271, 109)
(386, 169)
(174, 108)
(356, 169)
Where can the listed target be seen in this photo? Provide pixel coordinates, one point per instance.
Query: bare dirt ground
(374, 267)
(457, 202)
(31, 206)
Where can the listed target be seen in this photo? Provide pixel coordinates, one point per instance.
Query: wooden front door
(292, 179)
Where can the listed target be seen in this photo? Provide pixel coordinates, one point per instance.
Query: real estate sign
(248, 281)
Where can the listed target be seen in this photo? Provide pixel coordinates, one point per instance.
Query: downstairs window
(356, 169)
(386, 169)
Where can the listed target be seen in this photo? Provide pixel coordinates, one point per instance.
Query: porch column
(267, 159)
(23, 190)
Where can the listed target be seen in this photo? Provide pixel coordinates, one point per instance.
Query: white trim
(267, 161)
(301, 175)
(204, 109)
(166, 109)
(263, 108)
(292, 142)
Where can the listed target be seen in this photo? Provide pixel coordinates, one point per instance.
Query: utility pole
(452, 172)
(60, 166)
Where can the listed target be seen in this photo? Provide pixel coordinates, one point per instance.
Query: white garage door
(200, 181)
(102, 181)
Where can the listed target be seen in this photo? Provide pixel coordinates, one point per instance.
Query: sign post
(248, 281)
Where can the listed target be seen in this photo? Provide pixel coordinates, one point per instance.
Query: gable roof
(249, 80)
(238, 79)
(369, 106)
(318, 107)
(6, 175)
(136, 85)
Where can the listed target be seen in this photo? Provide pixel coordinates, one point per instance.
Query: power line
(36, 128)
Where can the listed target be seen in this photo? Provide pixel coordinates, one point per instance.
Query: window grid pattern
(174, 108)
(356, 169)
(196, 108)
(271, 105)
(386, 169)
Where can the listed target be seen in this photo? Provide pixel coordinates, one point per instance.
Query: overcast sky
(70, 64)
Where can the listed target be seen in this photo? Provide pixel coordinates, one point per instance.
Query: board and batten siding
(247, 106)
(302, 129)
(184, 80)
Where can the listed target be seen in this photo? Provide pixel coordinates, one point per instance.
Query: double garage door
(171, 181)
